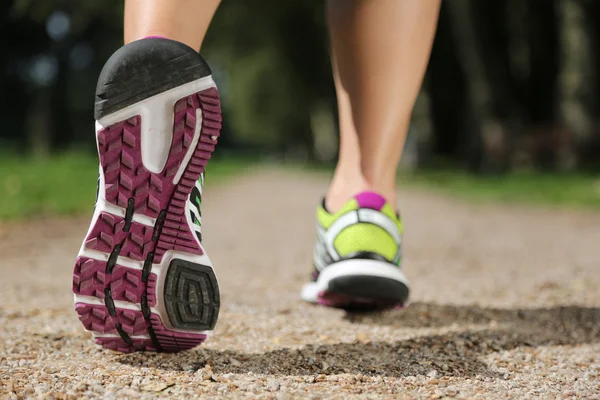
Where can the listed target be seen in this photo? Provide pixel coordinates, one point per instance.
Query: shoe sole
(358, 284)
(142, 281)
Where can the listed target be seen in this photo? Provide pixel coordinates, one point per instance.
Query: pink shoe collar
(370, 200)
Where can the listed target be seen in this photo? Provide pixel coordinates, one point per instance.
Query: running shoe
(357, 256)
(142, 279)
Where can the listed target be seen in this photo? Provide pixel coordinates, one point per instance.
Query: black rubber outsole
(191, 296)
(368, 287)
(145, 68)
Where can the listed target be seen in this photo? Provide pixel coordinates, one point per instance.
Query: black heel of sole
(376, 288)
(191, 295)
(145, 68)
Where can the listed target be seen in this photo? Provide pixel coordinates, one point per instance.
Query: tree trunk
(39, 124)
(324, 133)
(419, 142)
(445, 82)
(488, 147)
(575, 82)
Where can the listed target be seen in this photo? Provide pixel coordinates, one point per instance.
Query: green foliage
(59, 185)
(578, 191)
(65, 184)
(564, 190)
(268, 81)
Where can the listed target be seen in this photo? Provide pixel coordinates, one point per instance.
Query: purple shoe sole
(129, 185)
(142, 281)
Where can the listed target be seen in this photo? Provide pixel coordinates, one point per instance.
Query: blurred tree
(50, 42)
(445, 82)
(276, 64)
(487, 139)
(511, 83)
(576, 81)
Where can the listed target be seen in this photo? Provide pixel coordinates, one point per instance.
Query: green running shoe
(357, 256)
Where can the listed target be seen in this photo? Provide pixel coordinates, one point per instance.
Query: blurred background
(510, 98)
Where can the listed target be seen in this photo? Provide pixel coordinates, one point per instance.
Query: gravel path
(506, 304)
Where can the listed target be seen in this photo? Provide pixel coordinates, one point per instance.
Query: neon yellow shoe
(357, 256)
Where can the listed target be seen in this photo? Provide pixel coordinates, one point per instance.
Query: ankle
(382, 181)
(343, 188)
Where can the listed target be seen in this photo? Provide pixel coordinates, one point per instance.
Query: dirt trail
(506, 304)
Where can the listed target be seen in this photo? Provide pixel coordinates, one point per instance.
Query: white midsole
(101, 335)
(157, 113)
(360, 267)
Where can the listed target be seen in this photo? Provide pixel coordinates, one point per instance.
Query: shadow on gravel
(452, 354)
